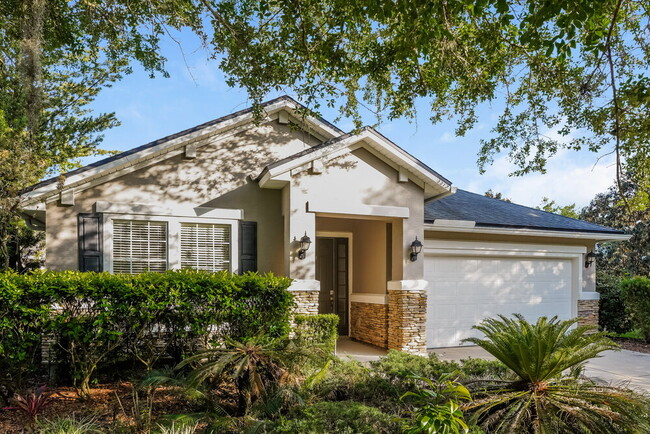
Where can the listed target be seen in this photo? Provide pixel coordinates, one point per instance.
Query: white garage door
(463, 290)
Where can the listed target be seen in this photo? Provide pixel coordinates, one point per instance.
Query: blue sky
(196, 92)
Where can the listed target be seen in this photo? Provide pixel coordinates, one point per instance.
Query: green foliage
(612, 316)
(636, 293)
(437, 408)
(102, 315)
(345, 417)
(549, 205)
(68, 425)
(317, 330)
(252, 366)
(542, 397)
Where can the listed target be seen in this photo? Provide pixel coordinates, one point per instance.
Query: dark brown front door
(332, 272)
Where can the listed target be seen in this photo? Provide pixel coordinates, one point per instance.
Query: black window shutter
(89, 227)
(247, 246)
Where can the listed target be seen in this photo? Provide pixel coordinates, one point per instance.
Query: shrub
(437, 408)
(542, 397)
(344, 417)
(612, 316)
(99, 316)
(636, 293)
(23, 317)
(317, 330)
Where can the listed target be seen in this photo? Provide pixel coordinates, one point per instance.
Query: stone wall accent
(369, 323)
(306, 302)
(407, 316)
(588, 312)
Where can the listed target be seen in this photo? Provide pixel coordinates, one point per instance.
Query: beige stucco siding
(217, 177)
(355, 178)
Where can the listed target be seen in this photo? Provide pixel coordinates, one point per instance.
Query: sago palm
(543, 396)
(252, 365)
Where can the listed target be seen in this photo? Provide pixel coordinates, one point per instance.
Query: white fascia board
(177, 211)
(596, 236)
(376, 143)
(123, 164)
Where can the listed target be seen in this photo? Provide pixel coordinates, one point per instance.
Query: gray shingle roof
(488, 212)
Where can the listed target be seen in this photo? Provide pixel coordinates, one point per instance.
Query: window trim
(173, 237)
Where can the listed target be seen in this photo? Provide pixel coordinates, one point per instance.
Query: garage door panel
(465, 290)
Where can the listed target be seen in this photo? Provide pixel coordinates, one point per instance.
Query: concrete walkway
(622, 368)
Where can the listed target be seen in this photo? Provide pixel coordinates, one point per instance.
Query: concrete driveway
(622, 368)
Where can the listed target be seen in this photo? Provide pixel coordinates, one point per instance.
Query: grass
(634, 334)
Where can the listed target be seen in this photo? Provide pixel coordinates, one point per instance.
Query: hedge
(636, 294)
(318, 330)
(93, 316)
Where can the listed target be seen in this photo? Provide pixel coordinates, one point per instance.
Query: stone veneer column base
(369, 323)
(588, 312)
(305, 294)
(407, 316)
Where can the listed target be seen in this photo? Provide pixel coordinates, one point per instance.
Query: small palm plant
(543, 397)
(252, 365)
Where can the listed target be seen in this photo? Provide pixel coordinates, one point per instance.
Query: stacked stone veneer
(407, 316)
(306, 302)
(588, 312)
(369, 323)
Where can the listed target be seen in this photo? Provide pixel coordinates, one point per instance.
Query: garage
(470, 284)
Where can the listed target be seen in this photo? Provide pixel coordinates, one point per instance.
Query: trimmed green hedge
(147, 316)
(318, 330)
(636, 294)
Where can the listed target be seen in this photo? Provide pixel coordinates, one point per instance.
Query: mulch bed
(633, 345)
(103, 406)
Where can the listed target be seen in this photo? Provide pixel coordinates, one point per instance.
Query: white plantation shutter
(139, 246)
(205, 246)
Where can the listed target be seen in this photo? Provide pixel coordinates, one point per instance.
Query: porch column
(407, 316)
(297, 223)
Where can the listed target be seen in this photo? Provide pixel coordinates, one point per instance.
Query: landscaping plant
(32, 403)
(252, 366)
(543, 398)
(437, 407)
(69, 425)
(636, 293)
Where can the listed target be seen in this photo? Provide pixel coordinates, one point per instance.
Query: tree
(576, 69)
(497, 195)
(549, 205)
(55, 57)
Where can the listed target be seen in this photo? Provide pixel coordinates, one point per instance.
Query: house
(366, 230)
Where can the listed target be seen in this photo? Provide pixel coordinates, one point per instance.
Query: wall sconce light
(416, 248)
(305, 242)
(589, 259)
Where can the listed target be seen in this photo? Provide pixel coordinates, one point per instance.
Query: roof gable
(435, 185)
(152, 152)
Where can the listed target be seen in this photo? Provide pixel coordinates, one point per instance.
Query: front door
(332, 272)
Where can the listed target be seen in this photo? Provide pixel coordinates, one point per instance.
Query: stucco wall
(217, 177)
(356, 178)
(369, 254)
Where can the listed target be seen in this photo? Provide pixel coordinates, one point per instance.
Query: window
(205, 246)
(139, 246)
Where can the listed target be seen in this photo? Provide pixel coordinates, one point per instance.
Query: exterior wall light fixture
(589, 259)
(305, 242)
(416, 248)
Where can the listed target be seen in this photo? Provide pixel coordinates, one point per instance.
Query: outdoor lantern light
(589, 259)
(305, 242)
(416, 248)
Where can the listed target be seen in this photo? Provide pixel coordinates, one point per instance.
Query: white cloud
(448, 137)
(572, 177)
